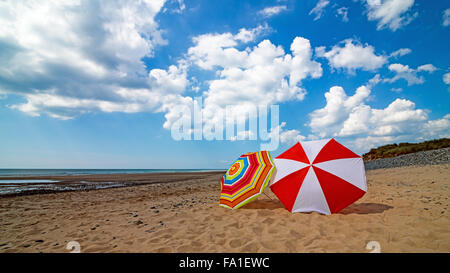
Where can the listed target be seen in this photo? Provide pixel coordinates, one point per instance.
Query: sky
(102, 84)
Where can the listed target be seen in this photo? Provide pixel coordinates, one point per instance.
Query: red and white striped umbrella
(322, 176)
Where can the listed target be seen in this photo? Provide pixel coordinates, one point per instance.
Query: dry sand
(405, 210)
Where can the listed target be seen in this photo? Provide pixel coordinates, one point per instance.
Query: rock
(39, 241)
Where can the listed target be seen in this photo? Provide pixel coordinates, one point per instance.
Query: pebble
(432, 157)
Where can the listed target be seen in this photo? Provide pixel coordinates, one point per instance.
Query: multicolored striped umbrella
(246, 179)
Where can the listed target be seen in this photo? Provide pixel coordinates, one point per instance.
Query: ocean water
(58, 172)
(13, 186)
(26, 181)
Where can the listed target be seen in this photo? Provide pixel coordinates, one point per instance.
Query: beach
(404, 210)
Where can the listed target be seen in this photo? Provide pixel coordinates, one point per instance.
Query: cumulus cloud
(261, 75)
(409, 74)
(319, 9)
(392, 14)
(351, 55)
(290, 137)
(164, 89)
(350, 118)
(272, 11)
(287, 137)
(214, 50)
(70, 57)
(328, 121)
(446, 17)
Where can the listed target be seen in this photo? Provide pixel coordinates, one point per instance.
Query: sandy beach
(404, 210)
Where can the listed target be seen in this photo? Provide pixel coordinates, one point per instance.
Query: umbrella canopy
(322, 176)
(246, 179)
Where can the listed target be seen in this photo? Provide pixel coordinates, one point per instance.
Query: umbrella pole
(267, 196)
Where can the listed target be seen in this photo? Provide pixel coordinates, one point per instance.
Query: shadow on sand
(365, 208)
(263, 204)
(360, 208)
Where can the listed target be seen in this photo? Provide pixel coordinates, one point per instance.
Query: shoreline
(90, 182)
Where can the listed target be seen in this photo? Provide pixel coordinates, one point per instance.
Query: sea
(35, 185)
(58, 172)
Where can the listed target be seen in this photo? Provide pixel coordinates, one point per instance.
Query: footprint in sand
(295, 234)
(163, 250)
(258, 230)
(269, 221)
(235, 243)
(290, 246)
(250, 247)
(268, 244)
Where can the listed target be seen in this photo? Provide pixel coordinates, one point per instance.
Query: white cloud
(409, 74)
(446, 17)
(392, 14)
(271, 11)
(446, 78)
(70, 57)
(319, 8)
(291, 136)
(427, 67)
(288, 137)
(243, 135)
(163, 92)
(328, 121)
(262, 75)
(219, 50)
(352, 55)
(374, 81)
(267, 75)
(343, 12)
(350, 118)
(400, 52)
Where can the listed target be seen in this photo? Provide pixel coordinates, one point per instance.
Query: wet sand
(404, 210)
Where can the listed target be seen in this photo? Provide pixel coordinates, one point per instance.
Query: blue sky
(98, 84)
